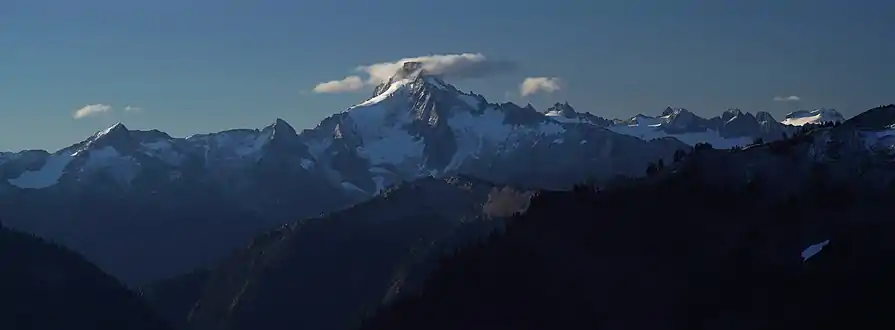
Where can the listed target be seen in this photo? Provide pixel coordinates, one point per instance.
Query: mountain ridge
(250, 180)
(245, 181)
(730, 259)
(679, 123)
(565, 250)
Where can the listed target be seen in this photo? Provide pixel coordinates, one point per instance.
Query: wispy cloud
(91, 110)
(99, 108)
(532, 85)
(349, 84)
(791, 98)
(130, 108)
(458, 66)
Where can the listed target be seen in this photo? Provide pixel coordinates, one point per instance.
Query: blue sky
(202, 65)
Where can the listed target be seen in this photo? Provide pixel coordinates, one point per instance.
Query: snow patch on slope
(653, 131)
(817, 116)
(47, 176)
(380, 122)
(123, 168)
(391, 90)
(813, 250)
(487, 132)
(102, 157)
(348, 186)
(558, 116)
(883, 140)
(163, 150)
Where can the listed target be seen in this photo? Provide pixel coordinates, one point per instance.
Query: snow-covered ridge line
(798, 118)
(414, 125)
(817, 116)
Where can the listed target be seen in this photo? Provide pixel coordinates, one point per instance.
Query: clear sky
(194, 66)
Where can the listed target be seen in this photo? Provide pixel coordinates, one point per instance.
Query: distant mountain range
(134, 201)
(702, 240)
(774, 235)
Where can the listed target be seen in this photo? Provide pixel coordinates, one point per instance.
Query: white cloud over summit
(350, 83)
(91, 110)
(791, 98)
(466, 65)
(99, 108)
(533, 85)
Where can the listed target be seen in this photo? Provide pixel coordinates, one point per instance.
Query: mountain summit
(409, 69)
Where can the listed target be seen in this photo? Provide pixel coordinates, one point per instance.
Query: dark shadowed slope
(44, 286)
(327, 272)
(698, 246)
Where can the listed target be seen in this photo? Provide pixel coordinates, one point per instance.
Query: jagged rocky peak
(730, 114)
(738, 124)
(406, 71)
(562, 109)
(115, 135)
(741, 116)
(281, 129)
(765, 117)
(115, 130)
(679, 116)
(414, 71)
(668, 111)
(639, 119)
(409, 69)
(673, 112)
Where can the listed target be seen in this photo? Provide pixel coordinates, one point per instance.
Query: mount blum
(135, 201)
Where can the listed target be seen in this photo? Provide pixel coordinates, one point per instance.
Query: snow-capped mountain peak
(409, 73)
(115, 137)
(641, 119)
(669, 111)
(730, 114)
(816, 116)
(118, 128)
(412, 94)
(409, 70)
(565, 113)
(115, 133)
(682, 120)
(561, 110)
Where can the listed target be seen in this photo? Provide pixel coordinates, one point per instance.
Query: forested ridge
(670, 252)
(44, 286)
